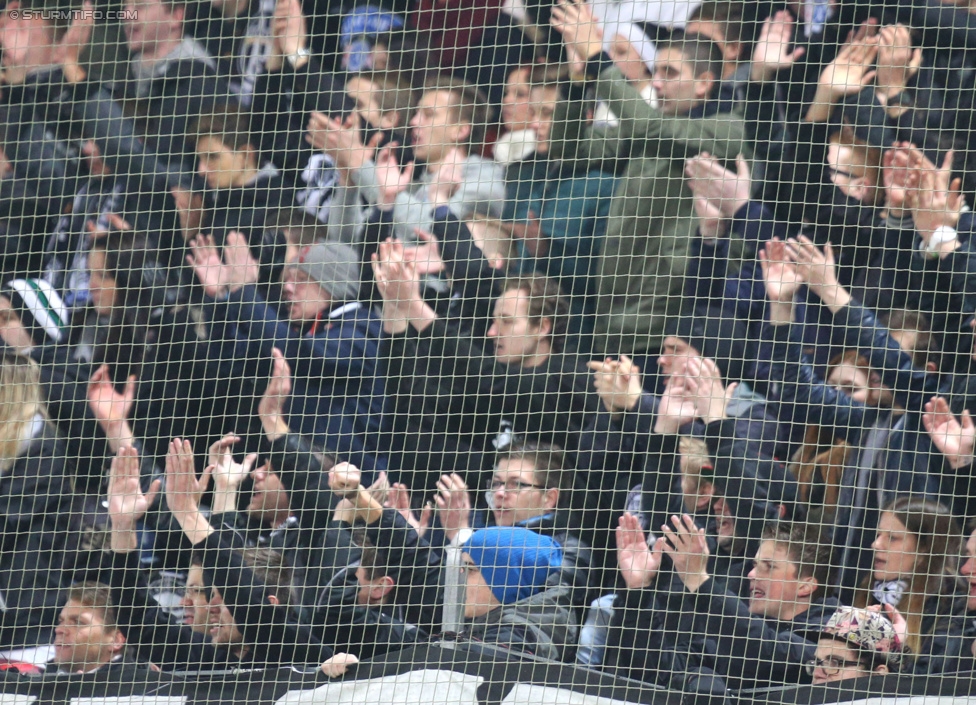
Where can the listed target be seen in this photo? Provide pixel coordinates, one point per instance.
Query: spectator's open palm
(772, 51)
(688, 549)
(780, 275)
(126, 502)
(240, 267)
(391, 179)
(271, 408)
(617, 383)
(580, 30)
(726, 190)
(955, 438)
(208, 265)
(817, 268)
(676, 406)
(106, 403)
(183, 488)
(638, 563)
(453, 504)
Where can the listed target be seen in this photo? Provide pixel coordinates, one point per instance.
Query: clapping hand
(955, 438)
(617, 383)
(639, 564)
(688, 549)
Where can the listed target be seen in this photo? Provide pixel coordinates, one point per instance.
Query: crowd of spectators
(636, 334)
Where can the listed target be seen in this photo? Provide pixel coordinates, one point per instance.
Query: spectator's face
(675, 354)
(543, 110)
(517, 111)
(836, 661)
(850, 380)
(517, 495)
(221, 166)
(724, 523)
(82, 641)
(968, 571)
(196, 608)
(478, 597)
(269, 500)
(518, 339)
(148, 23)
(436, 127)
(626, 58)
(12, 328)
(363, 93)
(850, 173)
(223, 628)
(776, 592)
(894, 550)
(26, 43)
(678, 89)
(306, 299)
(101, 284)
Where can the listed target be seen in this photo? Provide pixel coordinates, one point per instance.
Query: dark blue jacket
(337, 397)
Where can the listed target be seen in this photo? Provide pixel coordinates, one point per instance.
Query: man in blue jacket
(329, 338)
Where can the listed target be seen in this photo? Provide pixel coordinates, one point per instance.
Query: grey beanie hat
(334, 267)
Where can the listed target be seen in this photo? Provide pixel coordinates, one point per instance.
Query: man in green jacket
(652, 218)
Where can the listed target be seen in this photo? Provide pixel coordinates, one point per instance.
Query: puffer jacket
(540, 625)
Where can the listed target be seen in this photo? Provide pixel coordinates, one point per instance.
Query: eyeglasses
(512, 486)
(830, 666)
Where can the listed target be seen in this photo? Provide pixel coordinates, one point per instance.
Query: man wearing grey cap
(328, 337)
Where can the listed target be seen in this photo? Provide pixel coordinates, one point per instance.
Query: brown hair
(391, 93)
(728, 15)
(938, 550)
(926, 348)
(696, 461)
(470, 104)
(548, 461)
(546, 300)
(98, 597)
(228, 124)
(269, 566)
(300, 227)
(807, 547)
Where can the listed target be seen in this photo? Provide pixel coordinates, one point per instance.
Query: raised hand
(426, 257)
(240, 267)
(446, 179)
(392, 180)
(819, 271)
(206, 262)
(184, 490)
(398, 498)
(688, 550)
(338, 664)
(126, 502)
(898, 177)
(227, 474)
(898, 62)
(617, 383)
(676, 406)
(341, 140)
(453, 504)
(772, 51)
(706, 390)
(726, 190)
(110, 408)
(289, 31)
(580, 30)
(271, 408)
(75, 39)
(189, 208)
(345, 480)
(638, 563)
(851, 70)
(937, 200)
(955, 438)
(780, 275)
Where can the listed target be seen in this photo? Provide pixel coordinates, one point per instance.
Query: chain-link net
(509, 351)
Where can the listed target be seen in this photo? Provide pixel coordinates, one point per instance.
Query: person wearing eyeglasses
(529, 489)
(856, 643)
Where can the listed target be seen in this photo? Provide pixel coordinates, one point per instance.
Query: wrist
(780, 313)
(761, 73)
(694, 582)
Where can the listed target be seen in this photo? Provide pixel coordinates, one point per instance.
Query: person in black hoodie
(39, 545)
(249, 624)
(529, 387)
(761, 642)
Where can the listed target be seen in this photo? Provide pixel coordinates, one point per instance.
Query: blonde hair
(20, 400)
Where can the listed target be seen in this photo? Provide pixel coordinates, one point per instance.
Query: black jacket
(38, 543)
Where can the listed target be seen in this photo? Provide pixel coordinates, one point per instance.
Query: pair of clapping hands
(694, 390)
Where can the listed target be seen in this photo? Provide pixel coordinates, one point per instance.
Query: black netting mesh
(487, 351)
